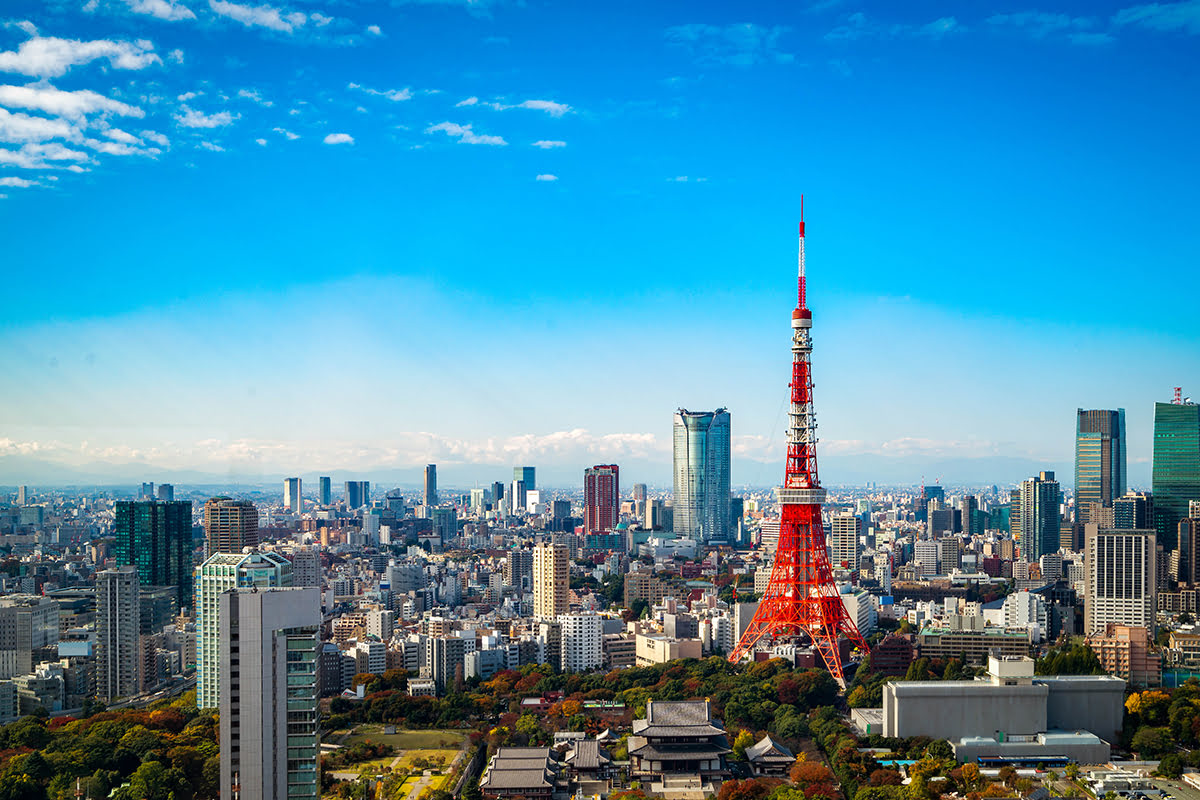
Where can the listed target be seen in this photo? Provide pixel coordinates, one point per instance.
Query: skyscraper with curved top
(702, 496)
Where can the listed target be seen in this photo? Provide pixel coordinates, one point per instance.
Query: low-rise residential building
(1125, 651)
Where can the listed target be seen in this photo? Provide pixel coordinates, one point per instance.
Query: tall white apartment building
(118, 633)
(551, 584)
(581, 649)
(1121, 578)
(844, 533)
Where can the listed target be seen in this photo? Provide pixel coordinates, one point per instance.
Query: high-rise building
(601, 498)
(518, 497)
(639, 493)
(306, 568)
(445, 523)
(497, 495)
(972, 521)
(291, 494)
(358, 494)
(1099, 460)
(147, 492)
(430, 498)
(28, 633)
(518, 569)
(1134, 511)
(844, 532)
(230, 525)
(22, 495)
(527, 476)
(1040, 529)
(551, 584)
(701, 472)
(118, 633)
(1176, 471)
(269, 644)
(218, 574)
(157, 539)
(581, 648)
(1121, 576)
(166, 492)
(325, 490)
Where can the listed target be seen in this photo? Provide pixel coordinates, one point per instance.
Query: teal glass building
(156, 537)
(1176, 473)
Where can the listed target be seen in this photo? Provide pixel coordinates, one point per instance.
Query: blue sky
(257, 239)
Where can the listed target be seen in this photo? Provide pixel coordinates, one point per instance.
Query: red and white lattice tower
(801, 600)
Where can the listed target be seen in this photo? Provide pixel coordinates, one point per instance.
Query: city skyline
(397, 253)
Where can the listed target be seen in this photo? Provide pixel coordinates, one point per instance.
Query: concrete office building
(358, 494)
(269, 643)
(701, 475)
(844, 532)
(1040, 528)
(551, 586)
(1011, 713)
(28, 633)
(118, 633)
(1120, 570)
(217, 575)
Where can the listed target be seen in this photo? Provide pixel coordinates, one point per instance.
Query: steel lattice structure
(801, 600)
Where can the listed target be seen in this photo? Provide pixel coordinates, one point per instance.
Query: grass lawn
(447, 756)
(409, 740)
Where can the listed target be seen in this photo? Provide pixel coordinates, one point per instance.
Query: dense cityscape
(340, 347)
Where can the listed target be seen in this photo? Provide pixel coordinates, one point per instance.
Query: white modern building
(118, 634)
(581, 650)
(1121, 578)
(269, 641)
(844, 533)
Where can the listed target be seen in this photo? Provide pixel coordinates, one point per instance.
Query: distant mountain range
(835, 471)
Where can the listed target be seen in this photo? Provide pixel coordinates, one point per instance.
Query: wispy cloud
(551, 107)
(254, 96)
(395, 95)
(48, 155)
(162, 9)
(465, 134)
(549, 144)
(18, 128)
(1181, 17)
(190, 118)
(286, 133)
(546, 177)
(264, 16)
(51, 57)
(374, 30)
(742, 45)
(339, 138)
(860, 26)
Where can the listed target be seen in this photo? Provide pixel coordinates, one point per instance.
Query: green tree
(1151, 742)
(1171, 766)
(940, 750)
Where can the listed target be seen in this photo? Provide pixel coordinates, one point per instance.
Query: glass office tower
(1176, 474)
(156, 538)
(1099, 460)
(701, 467)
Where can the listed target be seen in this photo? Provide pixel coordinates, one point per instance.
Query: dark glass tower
(1176, 475)
(156, 538)
(1099, 460)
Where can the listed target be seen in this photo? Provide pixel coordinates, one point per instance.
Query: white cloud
(859, 26)
(464, 134)
(547, 144)
(175, 56)
(549, 106)
(157, 138)
(678, 179)
(741, 44)
(287, 133)
(119, 149)
(163, 9)
(20, 128)
(546, 177)
(261, 142)
(395, 95)
(19, 183)
(43, 97)
(320, 20)
(50, 57)
(339, 138)
(216, 148)
(470, 101)
(1182, 17)
(43, 156)
(254, 96)
(263, 16)
(190, 118)
(183, 98)
(374, 30)
(124, 137)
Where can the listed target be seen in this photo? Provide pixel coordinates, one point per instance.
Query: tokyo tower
(801, 601)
